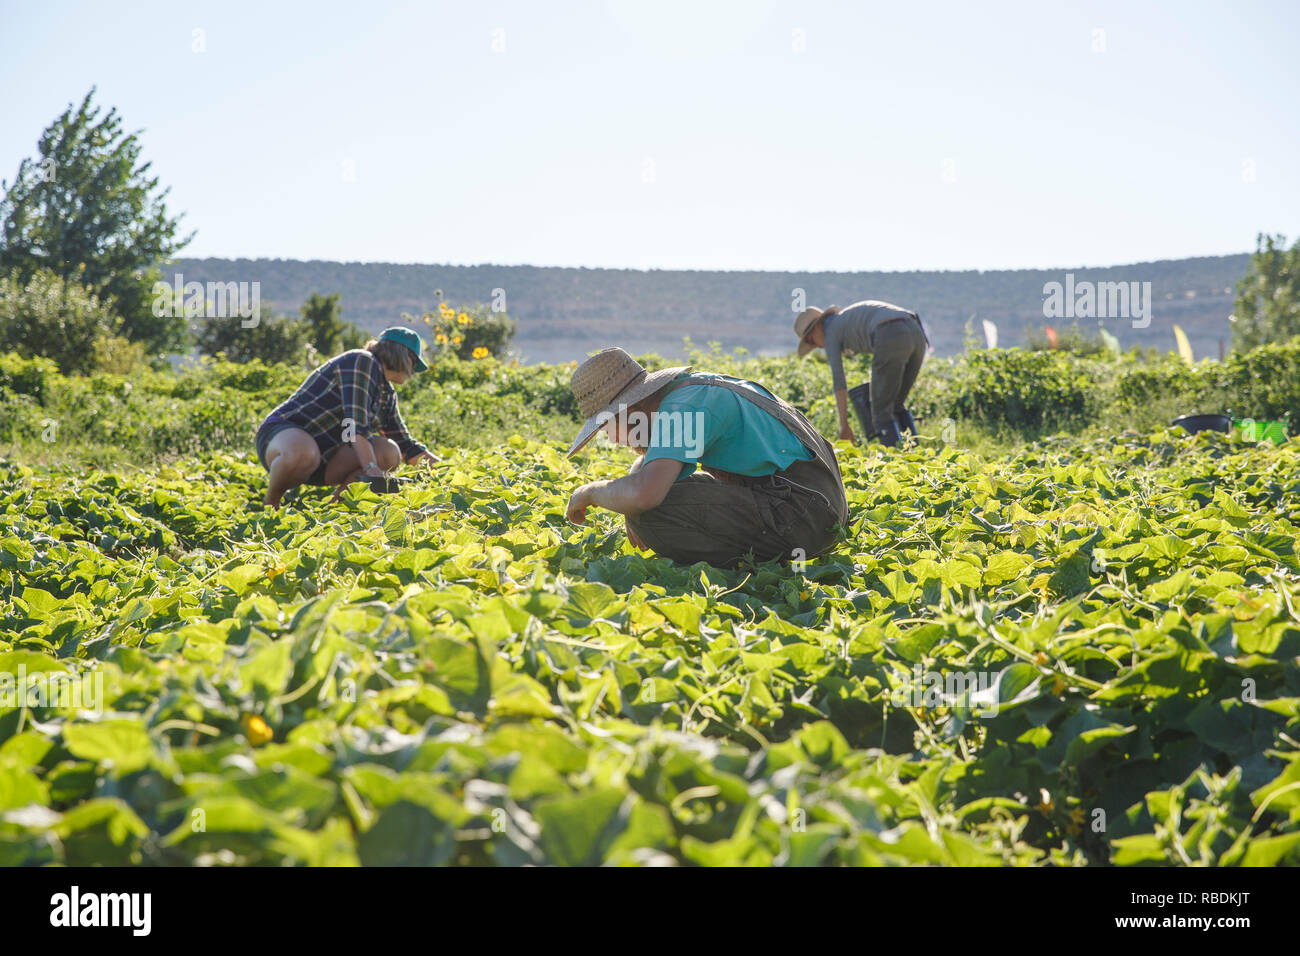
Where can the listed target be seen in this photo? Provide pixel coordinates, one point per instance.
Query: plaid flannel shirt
(350, 387)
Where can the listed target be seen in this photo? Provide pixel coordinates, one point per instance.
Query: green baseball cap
(411, 339)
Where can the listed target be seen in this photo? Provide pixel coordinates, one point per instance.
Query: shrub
(1073, 339)
(1169, 377)
(470, 332)
(273, 339)
(27, 376)
(1264, 383)
(1032, 390)
(117, 355)
(57, 319)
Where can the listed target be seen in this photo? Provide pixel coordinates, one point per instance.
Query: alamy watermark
(684, 430)
(52, 689)
(75, 908)
(1098, 300)
(45, 171)
(931, 689)
(215, 300)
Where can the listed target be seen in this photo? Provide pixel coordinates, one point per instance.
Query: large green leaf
(123, 744)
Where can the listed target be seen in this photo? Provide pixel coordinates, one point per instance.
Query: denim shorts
(272, 427)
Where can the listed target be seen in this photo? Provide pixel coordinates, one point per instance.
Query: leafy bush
(1073, 339)
(1034, 390)
(1264, 383)
(20, 416)
(470, 332)
(118, 355)
(255, 375)
(26, 376)
(273, 339)
(58, 319)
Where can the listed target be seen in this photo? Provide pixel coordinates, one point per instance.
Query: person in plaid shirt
(324, 434)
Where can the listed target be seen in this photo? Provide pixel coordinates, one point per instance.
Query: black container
(1204, 423)
(385, 485)
(860, 399)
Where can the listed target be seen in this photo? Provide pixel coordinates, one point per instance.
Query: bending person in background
(770, 484)
(322, 434)
(897, 342)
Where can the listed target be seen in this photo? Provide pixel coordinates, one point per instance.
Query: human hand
(343, 485)
(846, 433)
(579, 502)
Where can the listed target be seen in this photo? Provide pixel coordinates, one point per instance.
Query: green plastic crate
(1253, 431)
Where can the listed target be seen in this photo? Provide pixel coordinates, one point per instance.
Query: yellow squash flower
(481, 352)
(256, 729)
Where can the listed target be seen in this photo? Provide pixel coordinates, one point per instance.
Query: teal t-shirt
(716, 428)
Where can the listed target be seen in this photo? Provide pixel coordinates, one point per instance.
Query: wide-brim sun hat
(805, 321)
(411, 339)
(605, 381)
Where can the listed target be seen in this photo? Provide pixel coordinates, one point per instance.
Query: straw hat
(805, 321)
(608, 379)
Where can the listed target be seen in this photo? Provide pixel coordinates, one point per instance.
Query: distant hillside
(564, 313)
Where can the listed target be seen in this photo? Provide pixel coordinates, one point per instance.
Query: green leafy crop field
(1085, 653)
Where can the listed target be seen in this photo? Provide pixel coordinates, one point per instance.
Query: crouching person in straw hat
(769, 486)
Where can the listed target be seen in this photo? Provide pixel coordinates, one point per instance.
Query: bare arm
(395, 428)
(632, 494)
(367, 464)
(428, 457)
(834, 345)
(365, 453)
(842, 406)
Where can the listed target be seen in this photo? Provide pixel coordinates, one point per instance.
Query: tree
(273, 339)
(329, 334)
(60, 320)
(1268, 296)
(354, 337)
(88, 211)
(324, 317)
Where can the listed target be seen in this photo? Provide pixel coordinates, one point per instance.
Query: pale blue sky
(903, 135)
